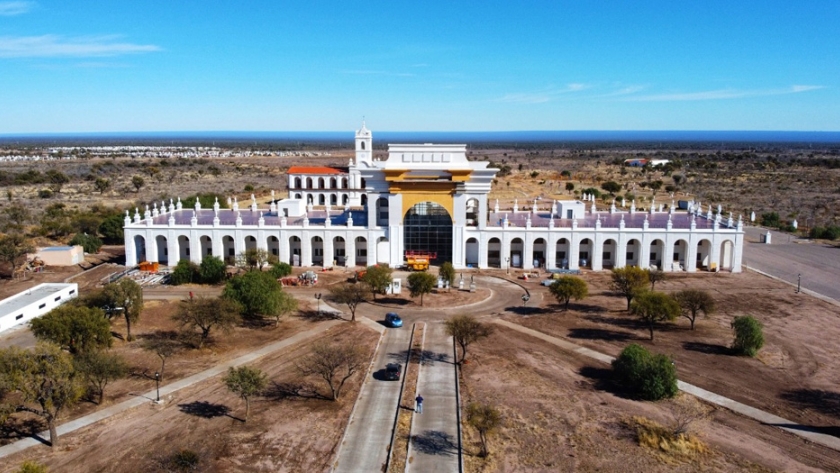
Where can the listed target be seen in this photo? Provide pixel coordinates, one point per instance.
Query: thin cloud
(15, 8)
(58, 46)
(542, 96)
(379, 73)
(722, 94)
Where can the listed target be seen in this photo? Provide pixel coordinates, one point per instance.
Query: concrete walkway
(367, 437)
(435, 445)
(804, 431)
(166, 390)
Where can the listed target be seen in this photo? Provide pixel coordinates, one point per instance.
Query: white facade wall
(34, 302)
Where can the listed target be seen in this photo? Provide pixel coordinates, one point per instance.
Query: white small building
(34, 302)
(61, 255)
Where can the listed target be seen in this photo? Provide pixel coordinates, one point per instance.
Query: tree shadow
(527, 311)
(392, 301)
(116, 335)
(708, 348)
(204, 409)
(602, 379)
(623, 322)
(18, 429)
(288, 391)
(601, 334)
(831, 430)
(825, 402)
(316, 316)
(434, 442)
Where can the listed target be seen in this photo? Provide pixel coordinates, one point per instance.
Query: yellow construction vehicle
(418, 260)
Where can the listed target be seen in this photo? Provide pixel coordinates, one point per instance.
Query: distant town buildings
(429, 199)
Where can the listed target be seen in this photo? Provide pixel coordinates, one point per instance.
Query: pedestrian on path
(419, 400)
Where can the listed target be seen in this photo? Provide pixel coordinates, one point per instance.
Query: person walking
(419, 400)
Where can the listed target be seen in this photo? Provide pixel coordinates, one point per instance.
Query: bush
(45, 193)
(649, 376)
(771, 219)
(212, 270)
(185, 272)
(831, 232)
(90, 243)
(749, 337)
(280, 270)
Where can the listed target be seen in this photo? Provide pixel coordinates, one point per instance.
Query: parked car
(393, 371)
(393, 320)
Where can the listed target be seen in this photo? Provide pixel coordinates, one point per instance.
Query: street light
(318, 297)
(525, 300)
(157, 383)
(799, 283)
(507, 264)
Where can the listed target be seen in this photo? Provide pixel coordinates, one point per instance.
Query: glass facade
(428, 227)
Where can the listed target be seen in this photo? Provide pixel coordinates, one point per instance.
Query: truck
(418, 260)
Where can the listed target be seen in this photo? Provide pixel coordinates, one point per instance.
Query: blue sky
(93, 66)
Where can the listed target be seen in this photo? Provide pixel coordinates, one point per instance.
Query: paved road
(368, 434)
(786, 257)
(435, 446)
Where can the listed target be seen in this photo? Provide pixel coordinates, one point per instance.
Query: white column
(551, 251)
(458, 250)
(597, 252)
(621, 250)
(691, 257)
(528, 251)
(306, 249)
(195, 247)
(329, 251)
(173, 255)
(574, 251)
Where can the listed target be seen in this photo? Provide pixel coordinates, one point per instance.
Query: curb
(399, 401)
(803, 290)
(458, 411)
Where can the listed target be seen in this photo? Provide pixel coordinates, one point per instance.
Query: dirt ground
(285, 432)
(793, 376)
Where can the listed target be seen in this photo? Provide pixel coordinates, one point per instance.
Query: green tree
(57, 180)
(485, 419)
(207, 314)
(629, 281)
(280, 270)
(246, 382)
(127, 294)
(259, 294)
(447, 273)
(611, 186)
(44, 381)
(185, 272)
(650, 377)
(335, 364)
(694, 301)
(90, 243)
(349, 294)
(421, 284)
(466, 329)
(138, 182)
(749, 336)
(99, 368)
(567, 288)
(212, 270)
(75, 328)
(111, 229)
(16, 216)
(378, 278)
(101, 184)
(654, 307)
(13, 249)
(570, 186)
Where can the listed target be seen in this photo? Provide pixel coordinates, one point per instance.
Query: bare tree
(351, 295)
(485, 419)
(164, 346)
(246, 382)
(335, 364)
(206, 314)
(655, 276)
(694, 301)
(465, 329)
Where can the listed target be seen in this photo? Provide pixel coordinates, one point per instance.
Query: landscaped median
(405, 416)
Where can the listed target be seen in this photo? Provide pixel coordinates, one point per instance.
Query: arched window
(363, 145)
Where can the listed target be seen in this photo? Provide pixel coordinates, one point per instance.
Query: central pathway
(434, 445)
(367, 437)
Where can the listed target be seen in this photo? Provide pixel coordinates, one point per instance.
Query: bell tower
(364, 145)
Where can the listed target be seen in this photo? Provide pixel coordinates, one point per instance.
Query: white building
(34, 302)
(428, 197)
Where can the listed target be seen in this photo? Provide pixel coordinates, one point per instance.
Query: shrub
(771, 219)
(45, 193)
(649, 376)
(212, 270)
(280, 270)
(90, 243)
(749, 337)
(185, 272)
(831, 232)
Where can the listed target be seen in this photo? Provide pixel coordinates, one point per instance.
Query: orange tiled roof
(313, 170)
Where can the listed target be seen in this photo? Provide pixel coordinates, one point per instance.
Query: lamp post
(157, 383)
(507, 264)
(318, 297)
(799, 283)
(525, 300)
